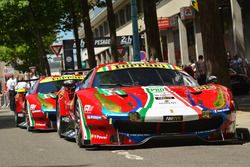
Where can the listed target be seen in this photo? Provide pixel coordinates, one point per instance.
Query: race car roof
(58, 78)
(126, 65)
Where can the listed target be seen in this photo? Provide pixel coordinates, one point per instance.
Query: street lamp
(136, 41)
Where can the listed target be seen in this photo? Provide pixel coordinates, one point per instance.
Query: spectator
(21, 83)
(201, 70)
(11, 83)
(236, 63)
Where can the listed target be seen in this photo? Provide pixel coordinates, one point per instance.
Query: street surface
(20, 148)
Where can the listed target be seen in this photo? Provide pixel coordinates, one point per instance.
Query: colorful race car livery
(38, 109)
(129, 103)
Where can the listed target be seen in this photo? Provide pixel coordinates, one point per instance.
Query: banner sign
(68, 46)
(187, 13)
(106, 41)
(163, 23)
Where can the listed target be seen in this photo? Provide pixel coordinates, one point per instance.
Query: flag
(194, 4)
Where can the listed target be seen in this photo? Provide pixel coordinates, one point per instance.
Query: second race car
(38, 109)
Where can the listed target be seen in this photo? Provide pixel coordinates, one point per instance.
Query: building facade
(179, 28)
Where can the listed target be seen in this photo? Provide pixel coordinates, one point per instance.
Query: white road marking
(127, 155)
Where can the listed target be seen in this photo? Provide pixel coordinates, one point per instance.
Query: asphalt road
(20, 148)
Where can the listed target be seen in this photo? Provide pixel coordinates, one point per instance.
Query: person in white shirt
(22, 84)
(11, 84)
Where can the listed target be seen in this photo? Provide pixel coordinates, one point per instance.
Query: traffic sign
(121, 51)
(56, 49)
(143, 56)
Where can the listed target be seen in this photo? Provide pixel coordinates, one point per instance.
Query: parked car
(37, 109)
(129, 103)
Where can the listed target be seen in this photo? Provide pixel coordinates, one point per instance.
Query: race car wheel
(58, 121)
(243, 134)
(78, 130)
(17, 120)
(28, 123)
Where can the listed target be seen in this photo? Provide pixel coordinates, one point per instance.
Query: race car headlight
(134, 116)
(107, 104)
(206, 114)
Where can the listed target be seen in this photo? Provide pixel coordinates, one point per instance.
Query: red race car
(129, 103)
(38, 108)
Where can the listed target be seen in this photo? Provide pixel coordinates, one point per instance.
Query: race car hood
(154, 102)
(47, 101)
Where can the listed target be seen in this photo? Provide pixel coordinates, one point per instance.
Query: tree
(88, 33)
(213, 41)
(28, 25)
(152, 29)
(112, 28)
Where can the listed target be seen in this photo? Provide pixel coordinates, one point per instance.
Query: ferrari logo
(194, 4)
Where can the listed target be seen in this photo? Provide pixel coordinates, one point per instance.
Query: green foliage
(18, 29)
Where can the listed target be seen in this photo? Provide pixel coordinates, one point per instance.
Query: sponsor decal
(50, 79)
(204, 87)
(156, 89)
(95, 117)
(137, 65)
(173, 118)
(99, 137)
(168, 102)
(32, 106)
(109, 92)
(88, 108)
(223, 110)
(39, 124)
(35, 111)
(164, 98)
(20, 115)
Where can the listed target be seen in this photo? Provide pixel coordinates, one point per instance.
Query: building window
(101, 31)
(117, 23)
(128, 13)
(96, 33)
(106, 28)
(122, 17)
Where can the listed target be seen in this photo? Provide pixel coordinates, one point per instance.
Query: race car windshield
(142, 77)
(49, 87)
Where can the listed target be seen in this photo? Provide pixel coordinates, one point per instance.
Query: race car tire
(243, 134)
(79, 137)
(59, 122)
(78, 130)
(28, 124)
(17, 119)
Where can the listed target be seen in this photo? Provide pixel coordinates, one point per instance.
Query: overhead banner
(106, 41)
(68, 54)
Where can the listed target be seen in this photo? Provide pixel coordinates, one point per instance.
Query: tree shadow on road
(7, 122)
(156, 143)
